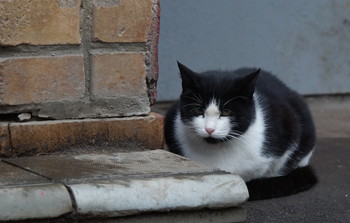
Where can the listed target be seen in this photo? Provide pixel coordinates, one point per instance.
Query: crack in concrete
(52, 180)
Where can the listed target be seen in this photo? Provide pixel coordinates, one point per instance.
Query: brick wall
(66, 59)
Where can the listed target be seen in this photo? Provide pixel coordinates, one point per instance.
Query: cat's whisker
(233, 142)
(193, 109)
(195, 98)
(193, 104)
(228, 101)
(235, 133)
(237, 138)
(199, 97)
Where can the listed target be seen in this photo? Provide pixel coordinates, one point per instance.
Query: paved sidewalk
(103, 186)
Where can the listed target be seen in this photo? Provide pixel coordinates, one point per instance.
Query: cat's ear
(189, 77)
(249, 83)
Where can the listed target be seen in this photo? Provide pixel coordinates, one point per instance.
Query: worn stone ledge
(99, 187)
(42, 137)
(169, 193)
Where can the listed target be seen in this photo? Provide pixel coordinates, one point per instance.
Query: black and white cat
(245, 122)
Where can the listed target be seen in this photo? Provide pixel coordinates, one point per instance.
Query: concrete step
(85, 186)
(33, 138)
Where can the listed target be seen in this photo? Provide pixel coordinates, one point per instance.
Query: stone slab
(129, 183)
(89, 168)
(25, 195)
(35, 201)
(132, 196)
(13, 176)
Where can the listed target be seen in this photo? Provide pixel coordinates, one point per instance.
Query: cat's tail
(299, 180)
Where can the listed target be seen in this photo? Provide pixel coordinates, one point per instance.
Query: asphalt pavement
(328, 201)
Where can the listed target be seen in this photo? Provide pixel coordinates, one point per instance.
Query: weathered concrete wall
(305, 43)
(80, 58)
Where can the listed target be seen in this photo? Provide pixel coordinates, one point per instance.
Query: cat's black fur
(287, 120)
(288, 117)
(300, 179)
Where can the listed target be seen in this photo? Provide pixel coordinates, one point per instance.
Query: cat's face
(216, 107)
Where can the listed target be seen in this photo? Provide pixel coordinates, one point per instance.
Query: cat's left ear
(189, 77)
(249, 83)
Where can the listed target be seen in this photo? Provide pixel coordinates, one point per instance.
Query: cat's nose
(209, 130)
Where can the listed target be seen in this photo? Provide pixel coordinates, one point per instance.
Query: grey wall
(305, 43)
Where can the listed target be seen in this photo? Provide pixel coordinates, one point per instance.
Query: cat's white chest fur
(242, 156)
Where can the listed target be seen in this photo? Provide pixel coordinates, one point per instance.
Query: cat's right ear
(189, 77)
(249, 83)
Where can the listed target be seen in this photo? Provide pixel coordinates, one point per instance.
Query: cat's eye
(198, 111)
(226, 112)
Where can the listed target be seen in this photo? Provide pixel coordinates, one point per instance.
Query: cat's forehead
(212, 108)
(208, 96)
(212, 86)
(214, 95)
(218, 85)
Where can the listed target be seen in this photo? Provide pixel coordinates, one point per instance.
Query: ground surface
(329, 200)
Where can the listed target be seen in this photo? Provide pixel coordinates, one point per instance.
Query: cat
(245, 122)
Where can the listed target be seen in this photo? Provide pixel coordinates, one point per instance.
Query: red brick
(39, 22)
(122, 21)
(49, 136)
(41, 79)
(119, 74)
